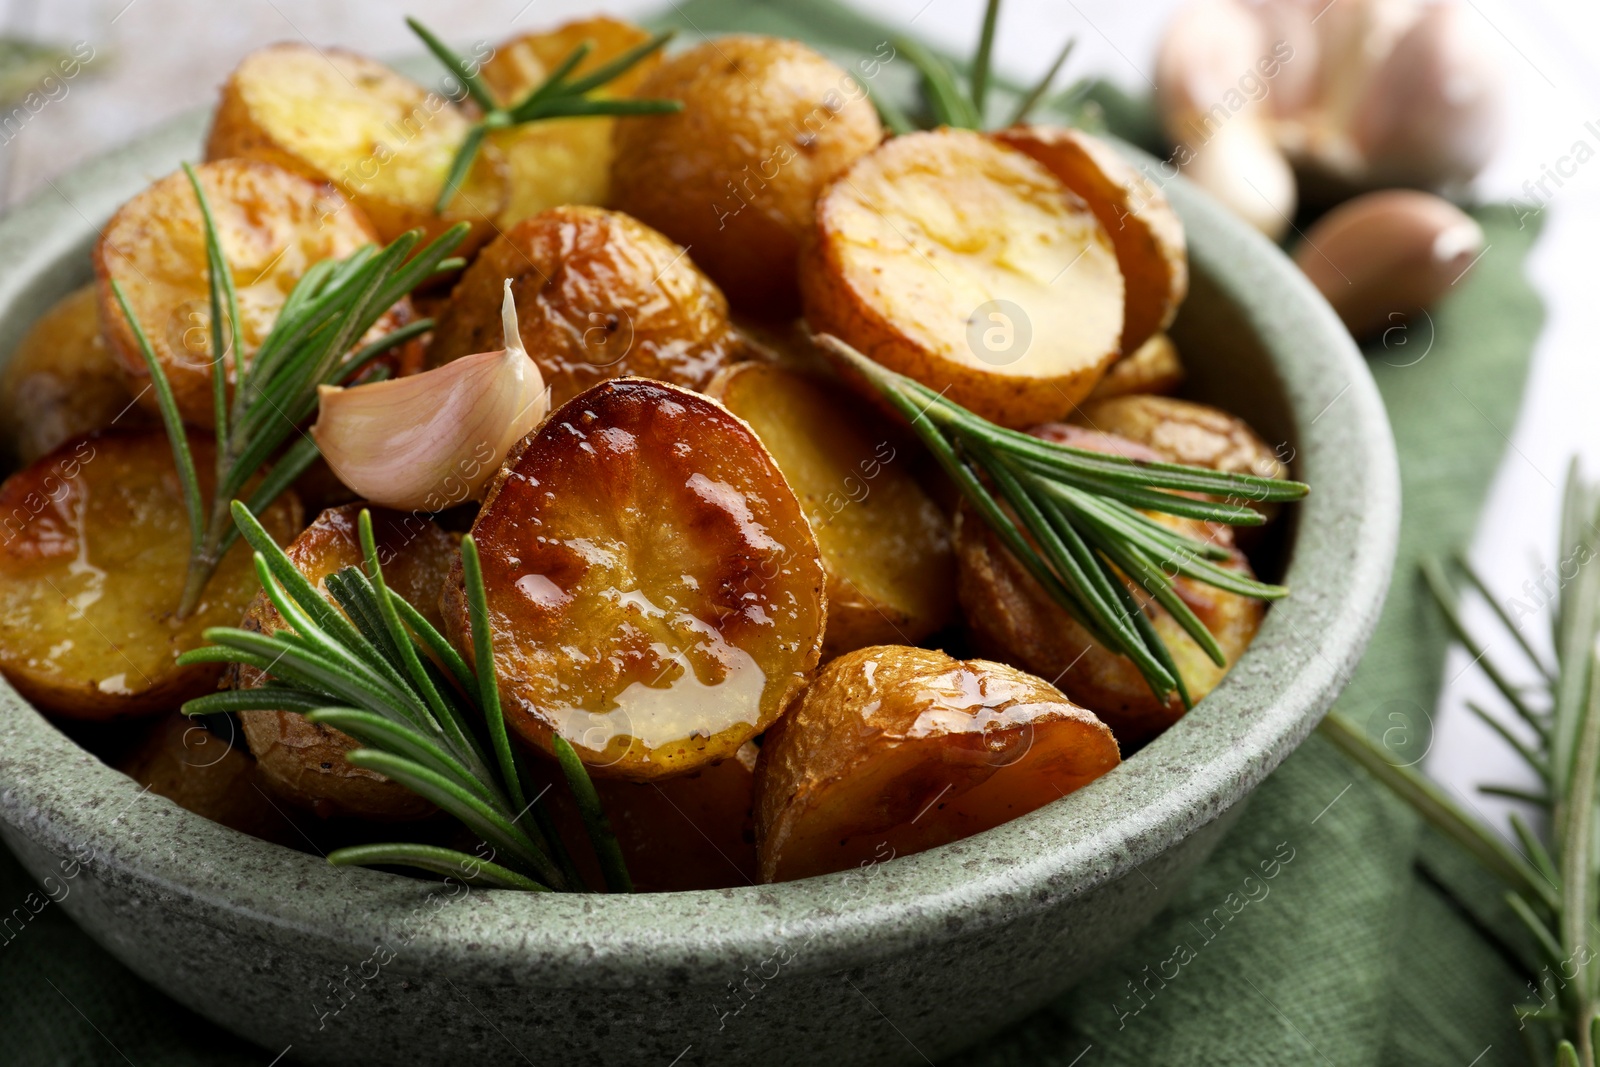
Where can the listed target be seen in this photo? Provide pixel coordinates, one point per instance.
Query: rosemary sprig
(329, 310)
(560, 95)
(1082, 523)
(1552, 883)
(381, 673)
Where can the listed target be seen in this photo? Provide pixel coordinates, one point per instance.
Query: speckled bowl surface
(907, 959)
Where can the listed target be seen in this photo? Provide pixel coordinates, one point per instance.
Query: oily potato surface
(1153, 367)
(383, 140)
(1012, 618)
(734, 177)
(965, 264)
(599, 295)
(1144, 229)
(62, 381)
(273, 226)
(885, 544)
(654, 589)
(94, 549)
(301, 761)
(560, 161)
(893, 750)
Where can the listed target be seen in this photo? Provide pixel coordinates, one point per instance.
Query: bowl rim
(65, 801)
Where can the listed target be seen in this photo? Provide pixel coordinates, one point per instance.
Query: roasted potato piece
(62, 383)
(951, 258)
(1012, 618)
(273, 226)
(1145, 231)
(654, 588)
(885, 543)
(303, 762)
(208, 774)
(893, 750)
(734, 177)
(94, 549)
(1153, 367)
(383, 140)
(599, 295)
(560, 161)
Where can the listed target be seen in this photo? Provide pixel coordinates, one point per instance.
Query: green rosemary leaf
(435, 860)
(354, 595)
(950, 107)
(605, 844)
(362, 357)
(1031, 98)
(1439, 586)
(488, 687)
(1513, 793)
(980, 60)
(1143, 570)
(553, 82)
(470, 80)
(263, 698)
(892, 115)
(289, 577)
(1549, 947)
(402, 740)
(439, 646)
(619, 66)
(1529, 756)
(224, 317)
(1499, 609)
(284, 473)
(465, 157)
(1534, 849)
(565, 108)
(1157, 646)
(1566, 1055)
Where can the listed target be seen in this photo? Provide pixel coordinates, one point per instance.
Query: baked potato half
(1154, 367)
(560, 161)
(383, 140)
(885, 544)
(62, 381)
(893, 750)
(94, 551)
(1145, 231)
(655, 592)
(273, 226)
(734, 177)
(1012, 618)
(965, 264)
(599, 295)
(303, 762)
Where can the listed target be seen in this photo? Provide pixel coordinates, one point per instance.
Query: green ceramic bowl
(914, 957)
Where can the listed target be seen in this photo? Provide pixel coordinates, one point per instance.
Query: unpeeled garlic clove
(433, 440)
(1207, 47)
(1380, 257)
(1242, 168)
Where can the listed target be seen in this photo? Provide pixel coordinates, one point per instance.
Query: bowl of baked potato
(892, 575)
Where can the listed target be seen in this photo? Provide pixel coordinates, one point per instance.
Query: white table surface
(155, 58)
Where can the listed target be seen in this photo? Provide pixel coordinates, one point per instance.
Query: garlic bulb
(1243, 169)
(433, 440)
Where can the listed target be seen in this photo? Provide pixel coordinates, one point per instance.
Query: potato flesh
(885, 544)
(893, 750)
(273, 226)
(61, 381)
(1154, 367)
(303, 762)
(93, 557)
(654, 589)
(599, 295)
(968, 266)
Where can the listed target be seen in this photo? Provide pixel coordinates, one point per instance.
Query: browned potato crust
(1144, 229)
(655, 592)
(599, 295)
(560, 161)
(895, 750)
(303, 762)
(383, 140)
(885, 543)
(273, 226)
(61, 381)
(1013, 619)
(734, 177)
(951, 258)
(94, 549)
(1153, 367)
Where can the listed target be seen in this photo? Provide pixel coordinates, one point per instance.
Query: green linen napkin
(1317, 933)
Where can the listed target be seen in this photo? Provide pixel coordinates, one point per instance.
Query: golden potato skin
(1012, 618)
(303, 762)
(383, 140)
(94, 550)
(735, 176)
(61, 381)
(599, 295)
(958, 261)
(1154, 367)
(893, 750)
(560, 161)
(1146, 232)
(654, 589)
(1185, 432)
(885, 544)
(273, 225)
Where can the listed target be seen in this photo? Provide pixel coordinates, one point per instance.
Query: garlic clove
(1292, 64)
(1382, 256)
(435, 439)
(1242, 168)
(1208, 48)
